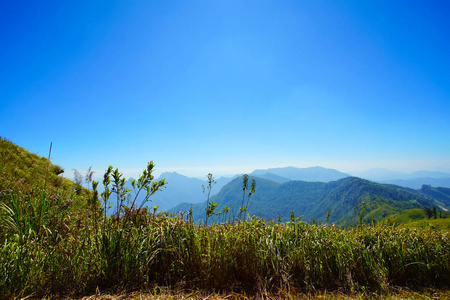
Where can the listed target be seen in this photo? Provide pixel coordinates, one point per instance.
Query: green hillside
(441, 194)
(436, 224)
(346, 198)
(406, 216)
(34, 198)
(417, 218)
(21, 170)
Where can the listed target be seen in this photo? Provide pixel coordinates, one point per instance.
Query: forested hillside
(344, 199)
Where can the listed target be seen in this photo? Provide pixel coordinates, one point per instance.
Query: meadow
(57, 241)
(64, 245)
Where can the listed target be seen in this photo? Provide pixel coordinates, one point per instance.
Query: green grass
(57, 243)
(416, 218)
(54, 252)
(21, 170)
(406, 216)
(435, 224)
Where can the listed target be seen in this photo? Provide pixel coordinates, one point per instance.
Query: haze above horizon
(228, 86)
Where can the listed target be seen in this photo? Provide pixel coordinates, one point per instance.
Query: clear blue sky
(228, 86)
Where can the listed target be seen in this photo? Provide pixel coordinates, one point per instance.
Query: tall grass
(51, 246)
(251, 256)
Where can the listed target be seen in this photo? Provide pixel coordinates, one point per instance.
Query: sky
(227, 86)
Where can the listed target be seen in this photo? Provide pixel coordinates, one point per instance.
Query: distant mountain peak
(172, 174)
(273, 177)
(412, 180)
(317, 173)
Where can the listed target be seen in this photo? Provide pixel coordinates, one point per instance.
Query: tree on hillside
(428, 212)
(434, 213)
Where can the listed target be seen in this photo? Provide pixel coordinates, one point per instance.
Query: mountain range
(344, 198)
(308, 192)
(187, 190)
(177, 185)
(183, 189)
(304, 174)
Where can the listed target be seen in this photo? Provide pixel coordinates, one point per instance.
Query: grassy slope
(416, 218)
(32, 188)
(22, 171)
(406, 216)
(436, 224)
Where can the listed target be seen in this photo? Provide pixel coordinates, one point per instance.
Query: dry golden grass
(400, 294)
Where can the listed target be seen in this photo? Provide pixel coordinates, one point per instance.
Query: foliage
(246, 191)
(210, 207)
(251, 256)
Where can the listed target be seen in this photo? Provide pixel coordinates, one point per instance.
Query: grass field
(58, 242)
(47, 249)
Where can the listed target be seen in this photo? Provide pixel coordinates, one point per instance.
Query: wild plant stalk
(48, 163)
(361, 213)
(328, 216)
(107, 192)
(210, 207)
(118, 187)
(226, 209)
(144, 183)
(78, 178)
(246, 189)
(88, 177)
(251, 191)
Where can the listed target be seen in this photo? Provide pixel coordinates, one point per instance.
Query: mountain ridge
(316, 173)
(344, 197)
(312, 174)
